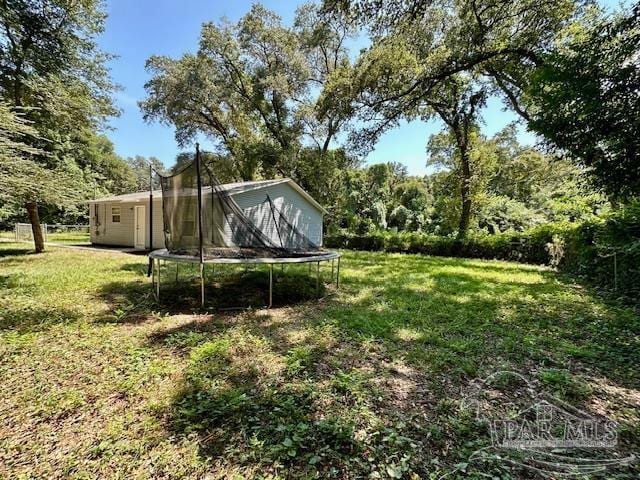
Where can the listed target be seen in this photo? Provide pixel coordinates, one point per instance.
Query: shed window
(115, 214)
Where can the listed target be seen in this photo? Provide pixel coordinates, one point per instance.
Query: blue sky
(135, 30)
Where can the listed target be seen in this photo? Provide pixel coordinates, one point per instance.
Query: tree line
(295, 100)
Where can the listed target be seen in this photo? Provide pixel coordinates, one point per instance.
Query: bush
(607, 252)
(527, 247)
(604, 252)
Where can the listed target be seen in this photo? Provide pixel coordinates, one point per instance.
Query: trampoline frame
(156, 256)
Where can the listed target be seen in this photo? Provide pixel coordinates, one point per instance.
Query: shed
(123, 220)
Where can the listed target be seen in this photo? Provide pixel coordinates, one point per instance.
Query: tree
(434, 58)
(457, 104)
(50, 63)
(513, 187)
(501, 39)
(105, 171)
(413, 194)
(25, 181)
(584, 100)
(255, 88)
(323, 41)
(570, 73)
(367, 197)
(322, 175)
(221, 165)
(139, 166)
(411, 204)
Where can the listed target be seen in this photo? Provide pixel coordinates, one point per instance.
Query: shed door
(139, 234)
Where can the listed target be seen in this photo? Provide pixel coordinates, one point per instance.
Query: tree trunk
(38, 240)
(465, 194)
(462, 140)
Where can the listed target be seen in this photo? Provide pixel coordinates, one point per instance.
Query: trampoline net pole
(199, 186)
(150, 216)
(221, 224)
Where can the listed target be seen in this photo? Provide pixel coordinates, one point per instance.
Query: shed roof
(231, 188)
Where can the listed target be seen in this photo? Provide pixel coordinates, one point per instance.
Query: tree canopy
(291, 100)
(255, 88)
(585, 100)
(25, 181)
(21, 178)
(52, 69)
(419, 45)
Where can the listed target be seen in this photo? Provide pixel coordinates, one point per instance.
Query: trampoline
(158, 257)
(203, 225)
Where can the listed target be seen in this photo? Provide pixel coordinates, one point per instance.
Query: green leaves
(54, 74)
(585, 102)
(256, 88)
(21, 177)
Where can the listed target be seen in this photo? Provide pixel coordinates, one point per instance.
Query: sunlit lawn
(69, 237)
(98, 380)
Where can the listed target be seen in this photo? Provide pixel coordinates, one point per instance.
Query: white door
(139, 234)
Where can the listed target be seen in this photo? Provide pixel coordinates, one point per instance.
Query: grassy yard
(72, 238)
(98, 380)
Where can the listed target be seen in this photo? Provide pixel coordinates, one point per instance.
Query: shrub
(528, 247)
(607, 252)
(604, 252)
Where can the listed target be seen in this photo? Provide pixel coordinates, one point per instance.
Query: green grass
(98, 380)
(68, 237)
(72, 238)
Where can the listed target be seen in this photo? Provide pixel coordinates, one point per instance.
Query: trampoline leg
(153, 278)
(202, 284)
(158, 283)
(338, 274)
(270, 285)
(332, 263)
(318, 280)
(177, 264)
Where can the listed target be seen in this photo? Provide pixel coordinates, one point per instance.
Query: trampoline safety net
(202, 218)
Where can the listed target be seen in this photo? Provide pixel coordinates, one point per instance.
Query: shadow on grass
(31, 318)
(269, 392)
(230, 400)
(291, 388)
(14, 252)
(140, 268)
(233, 289)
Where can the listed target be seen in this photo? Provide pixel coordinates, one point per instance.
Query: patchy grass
(99, 381)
